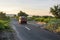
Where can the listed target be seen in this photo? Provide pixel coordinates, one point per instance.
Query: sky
(31, 7)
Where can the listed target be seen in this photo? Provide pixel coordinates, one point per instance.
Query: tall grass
(53, 25)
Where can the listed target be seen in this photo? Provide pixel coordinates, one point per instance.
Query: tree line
(53, 10)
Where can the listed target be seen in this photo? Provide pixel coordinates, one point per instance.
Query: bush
(4, 25)
(53, 25)
(47, 20)
(39, 19)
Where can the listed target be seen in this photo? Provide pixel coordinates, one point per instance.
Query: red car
(23, 20)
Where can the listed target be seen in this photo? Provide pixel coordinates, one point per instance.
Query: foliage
(22, 14)
(4, 21)
(39, 19)
(36, 16)
(14, 15)
(4, 24)
(53, 25)
(55, 11)
(42, 18)
(2, 15)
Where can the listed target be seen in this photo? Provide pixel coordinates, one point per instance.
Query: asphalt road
(31, 31)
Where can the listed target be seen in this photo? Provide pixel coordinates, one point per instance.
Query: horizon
(31, 7)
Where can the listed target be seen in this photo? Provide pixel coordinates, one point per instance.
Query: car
(23, 20)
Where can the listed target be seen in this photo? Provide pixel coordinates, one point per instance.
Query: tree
(55, 11)
(2, 15)
(22, 14)
(14, 15)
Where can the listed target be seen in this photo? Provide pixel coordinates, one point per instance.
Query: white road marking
(27, 28)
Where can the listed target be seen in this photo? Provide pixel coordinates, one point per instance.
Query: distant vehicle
(23, 20)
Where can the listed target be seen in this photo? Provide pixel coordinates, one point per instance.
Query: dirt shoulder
(8, 35)
(44, 25)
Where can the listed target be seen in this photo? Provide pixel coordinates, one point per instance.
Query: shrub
(53, 25)
(4, 25)
(1, 26)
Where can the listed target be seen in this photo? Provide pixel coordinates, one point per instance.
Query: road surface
(31, 32)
